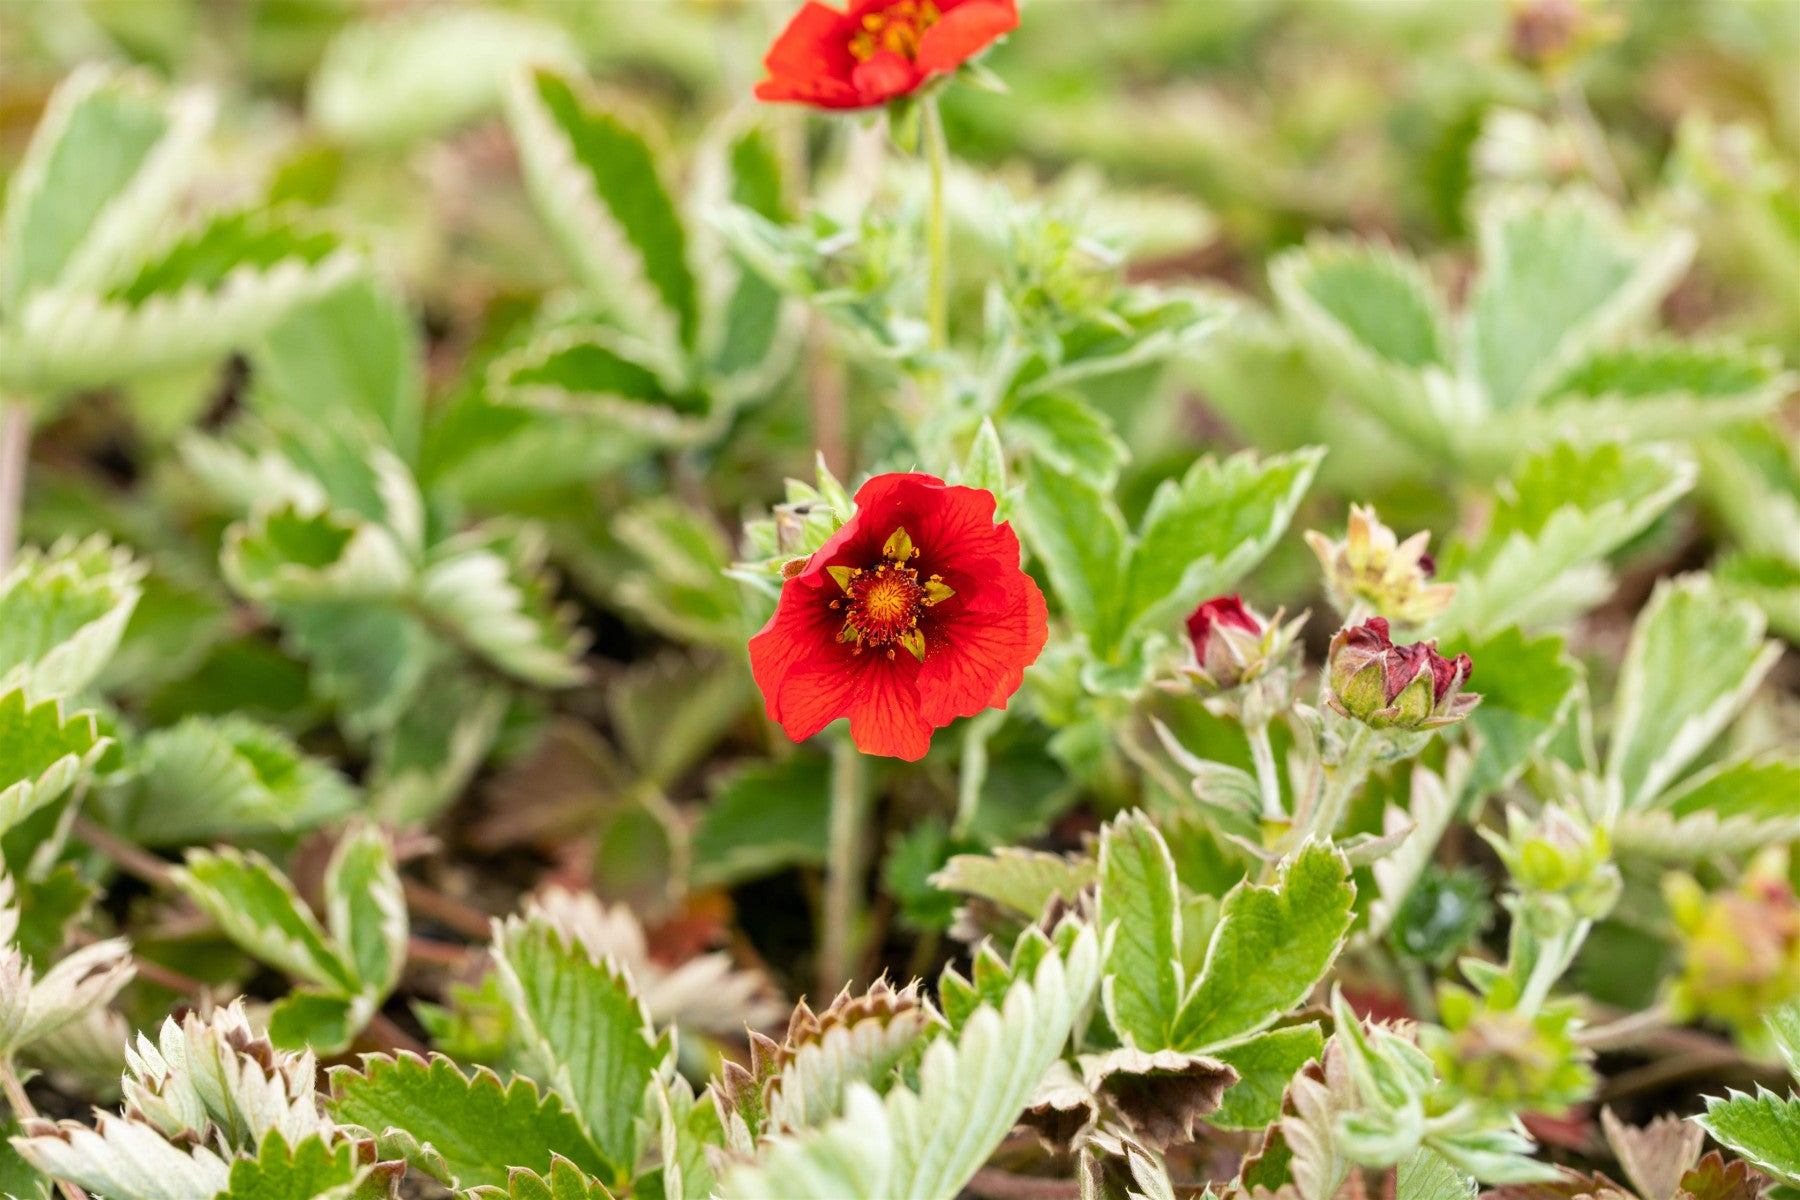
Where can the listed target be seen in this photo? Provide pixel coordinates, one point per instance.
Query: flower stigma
(895, 29)
(882, 604)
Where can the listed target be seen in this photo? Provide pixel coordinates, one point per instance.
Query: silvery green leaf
(598, 184)
(427, 754)
(1733, 808)
(257, 907)
(62, 613)
(1763, 1129)
(1752, 476)
(850, 1157)
(1427, 1176)
(105, 165)
(607, 379)
(1140, 900)
(1773, 584)
(37, 1003)
(466, 1131)
(122, 1160)
(287, 555)
(581, 1022)
(1694, 659)
(1542, 557)
(365, 907)
(206, 778)
(348, 357)
(679, 585)
(985, 465)
(42, 753)
(1560, 278)
(1022, 880)
(413, 74)
(489, 590)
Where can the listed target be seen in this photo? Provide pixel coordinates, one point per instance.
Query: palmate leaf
(1695, 656)
(208, 778)
(1733, 808)
(123, 1160)
(412, 74)
(564, 1181)
(347, 358)
(1542, 557)
(216, 287)
(601, 379)
(464, 1131)
(1270, 947)
(1139, 898)
(599, 186)
(365, 907)
(1762, 1129)
(1559, 278)
(62, 614)
(42, 754)
(257, 907)
(587, 1032)
(487, 588)
(310, 1170)
(103, 167)
(1200, 534)
(926, 1143)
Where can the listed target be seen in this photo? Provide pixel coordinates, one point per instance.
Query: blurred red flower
(877, 50)
(911, 615)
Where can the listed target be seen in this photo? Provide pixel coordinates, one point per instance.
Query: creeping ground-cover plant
(899, 600)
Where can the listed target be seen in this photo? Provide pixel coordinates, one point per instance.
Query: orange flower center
(882, 604)
(895, 29)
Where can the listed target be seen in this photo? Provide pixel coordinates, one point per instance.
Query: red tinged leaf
(878, 50)
(915, 613)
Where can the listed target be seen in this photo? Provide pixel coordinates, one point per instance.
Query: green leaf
(1022, 880)
(428, 755)
(1558, 278)
(754, 328)
(926, 1142)
(761, 819)
(985, 466)
(1200, 535)
(1427, 1175)
(1748, 787)
(42, 754)
(1270, 947)
(365, 907)
(289, 556)
(680, 587)
(1772, 583)
(412, 74)
(1527, 689)
(124, 1160)
(308, 1019)
(303, 1172)
(587, 1032)
(464, 1131)
(1140, 903)
(349, 358)
(606, 379)
(1695, 656)
(46, 907)
(1734, 808)
(599, 185)
(208, 778)
(489, 590)
(257, 907)
(1067, 434)
(566, 1181)
(1762, 1129)
(103, 167)
(1542, 557)
(62, 614)
(1077, 531)
(1265, 1064)
(203, 257)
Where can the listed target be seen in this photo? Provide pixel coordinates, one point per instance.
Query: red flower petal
(964, 32)
(883, 77)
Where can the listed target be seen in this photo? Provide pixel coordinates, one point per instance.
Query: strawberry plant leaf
(1139, 898)
(1763, 1129)
(42, 754)
(257, 907)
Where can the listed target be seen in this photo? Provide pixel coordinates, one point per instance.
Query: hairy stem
(937, 311)
(1342, 782)
(1268, 778)
(15, 448)
(843, 867)
(24, 1110)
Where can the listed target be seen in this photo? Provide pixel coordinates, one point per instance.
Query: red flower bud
(1227, 639)
(1409, 687)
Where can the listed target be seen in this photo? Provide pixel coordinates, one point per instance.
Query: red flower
(911, 615)
(879, 49)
